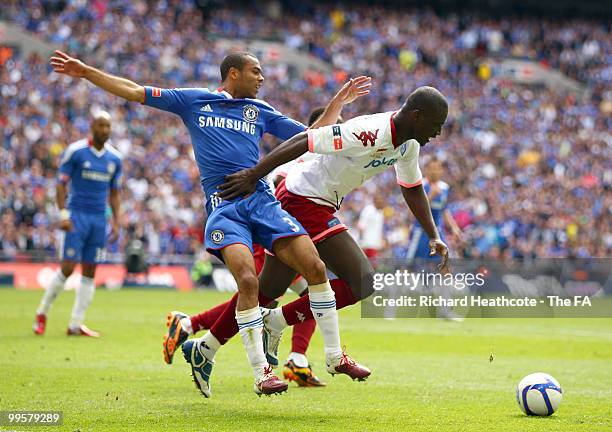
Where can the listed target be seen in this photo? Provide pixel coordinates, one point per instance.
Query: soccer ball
(539, 394)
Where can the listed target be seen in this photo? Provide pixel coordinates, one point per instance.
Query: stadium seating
(528, 167)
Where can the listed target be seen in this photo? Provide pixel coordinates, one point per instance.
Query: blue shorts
(85, 242)
(256, 219)
(418, 247)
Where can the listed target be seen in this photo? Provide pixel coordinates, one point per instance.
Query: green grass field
(428, 375)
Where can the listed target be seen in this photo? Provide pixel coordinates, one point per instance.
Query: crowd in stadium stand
(529, 168)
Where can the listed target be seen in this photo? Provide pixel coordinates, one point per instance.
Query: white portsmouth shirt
(349, 154)
(282, 170)
(371, 223)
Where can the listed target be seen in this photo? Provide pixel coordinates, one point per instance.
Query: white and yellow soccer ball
(539, 394)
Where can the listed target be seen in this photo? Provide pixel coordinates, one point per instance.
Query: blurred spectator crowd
(529, 168)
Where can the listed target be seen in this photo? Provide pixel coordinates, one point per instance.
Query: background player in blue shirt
(419, 257)
(437, 192)
(93, 169)
(226, 126)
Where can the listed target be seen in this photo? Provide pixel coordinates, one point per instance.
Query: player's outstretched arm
(353, 89)
(418, 203)
(122, 87)
(244, 182)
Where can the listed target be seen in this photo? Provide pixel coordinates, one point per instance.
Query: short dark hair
(318, 112)
(435, 159)
(315, 114)
(426, 99)
(234, 60)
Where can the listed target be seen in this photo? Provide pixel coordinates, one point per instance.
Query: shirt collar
(224, 93)
(93, 149)
(393, 136)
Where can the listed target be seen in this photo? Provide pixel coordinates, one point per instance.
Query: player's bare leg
(301, 254)
(344, 257)
(240, 263)
(83, 296)
(221, 320)
(275, 276)
(53, 289)
(200, 353)
(297, 367)
(348, 261)
(292, 254)
(274, 279)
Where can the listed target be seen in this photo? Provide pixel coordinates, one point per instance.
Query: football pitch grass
(427, 375)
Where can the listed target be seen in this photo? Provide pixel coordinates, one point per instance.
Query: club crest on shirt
(111, 167)
(217, 236)
(86, 164)
(250, 113)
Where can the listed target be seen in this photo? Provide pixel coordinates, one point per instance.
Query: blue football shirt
(225, 132)
(92, 174)
(437, 204)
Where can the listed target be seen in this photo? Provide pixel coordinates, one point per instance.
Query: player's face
(250, 78)
(429, 126)
(435, 171)
(379, 202)
(101, 129)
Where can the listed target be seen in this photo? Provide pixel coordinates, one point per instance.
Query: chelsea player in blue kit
(419, 256)
(226, 126)
(93, 169)
(437, 193)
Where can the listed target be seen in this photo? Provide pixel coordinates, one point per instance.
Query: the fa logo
(250, 113)
(217, 236)
(367, 137)
(111, 167)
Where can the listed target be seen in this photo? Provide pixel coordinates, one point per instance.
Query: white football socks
(300, 360)
(250, 327)
(186, 325)
(83, 297)
(55, 286)
(209, 345)
(323, 307)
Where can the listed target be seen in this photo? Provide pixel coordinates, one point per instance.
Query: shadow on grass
(549, 418)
